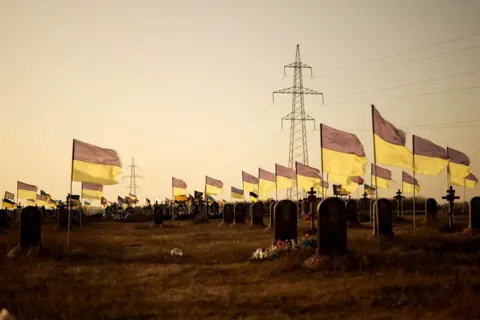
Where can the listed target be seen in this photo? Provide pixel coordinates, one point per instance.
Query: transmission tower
(298, 150)
(132, 188)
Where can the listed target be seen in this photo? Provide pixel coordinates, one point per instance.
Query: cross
(365, 198)
(349, 197)
(399, 195)
(312, 195)
(450, 197)
(312, 198)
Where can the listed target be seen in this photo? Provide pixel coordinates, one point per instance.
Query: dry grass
(124, 271)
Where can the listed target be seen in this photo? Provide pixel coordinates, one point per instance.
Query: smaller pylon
(133, 187)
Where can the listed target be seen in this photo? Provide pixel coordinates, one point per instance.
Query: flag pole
(321, 166)
(259, 196)
(70, 199)
(414, 186)
(276, 183)
(376, 224)
(464, 193)
(171, 205)
(81, 206)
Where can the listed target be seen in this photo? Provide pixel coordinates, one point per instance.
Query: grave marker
(332, 226)
(256, 213)
(399, 197)
(271, 219)
(30, 227)
(239, 212)
(351, 208)
(286, 220)
(312, 198)
(158, 212)
(450, 197)
(228, 216)
(215, 208)
(474, 215)
(382, 219)
(431, 209)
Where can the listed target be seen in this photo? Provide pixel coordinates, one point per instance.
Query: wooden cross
(365, 196)
(450, 197)
(312, 195)
(399, 195)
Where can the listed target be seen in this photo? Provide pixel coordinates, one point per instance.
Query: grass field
(124, 271)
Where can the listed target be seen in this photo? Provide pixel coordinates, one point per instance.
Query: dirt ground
(117, 270)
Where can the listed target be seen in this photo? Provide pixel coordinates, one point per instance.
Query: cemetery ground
(120, 270)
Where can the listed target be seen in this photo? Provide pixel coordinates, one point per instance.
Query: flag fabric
(9, 196)
(213, 186)
(182, 197)
(31, 202)
(384, 176)
(430, 159)
(469, 181)
(42, 201)
(368, 189)
(120, 201)
(8, 204)
(52, 204)
(133, 197)
(344, 192)
(358, 180)
(94, 164)
(103, 201)
(92, 191)
(179, 187)
(390, 143)
(86, 203)
(250, 183)
(459, 166)
(342, 152)
(339, 179)
(148, 201)
(321, 189)
(253, 196)
(409, 183)
(43, 193)
(285, 177)
(236, 193)
(266, 183)
(198, 195)
(26, 191)
(336, 189)
(307, 177)
(128, 200)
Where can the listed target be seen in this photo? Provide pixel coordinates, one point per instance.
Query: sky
(186, 87)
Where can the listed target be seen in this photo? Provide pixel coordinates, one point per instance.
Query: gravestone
(271, 213)
(239, 212)
(305, 206)
(256, 213)
(474, 216)
(30, 227)
(228, 216)
(431, 210)
(63, 218)
(3, 218)
(351, 208)
(286, 220)
(158, 212)
(382, 219)
(332, 226)
(214, 208)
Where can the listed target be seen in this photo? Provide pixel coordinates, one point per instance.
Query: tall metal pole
(298, 149)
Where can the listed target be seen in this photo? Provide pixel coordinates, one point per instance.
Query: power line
(418, 49)
(444, 125)
(445, 53)
(413, 83)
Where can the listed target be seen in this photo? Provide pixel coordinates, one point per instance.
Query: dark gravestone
(214, 208)
(474, 222)
(286, 220)
(382, 219)
(228, 216)
(158, 212)
(246, 211)
(272, 215)
(352, 218)
(239, 212)
(332, 226)
(3, 218)
(30, 227)
(431, 209)
(63, 218)
(257, 212)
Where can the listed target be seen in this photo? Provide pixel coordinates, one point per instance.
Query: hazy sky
(185, 87)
